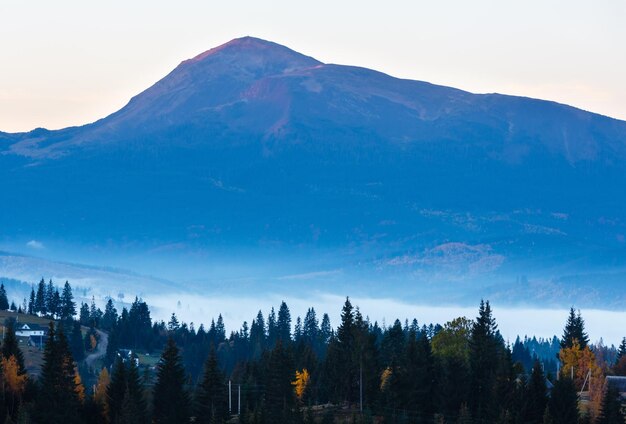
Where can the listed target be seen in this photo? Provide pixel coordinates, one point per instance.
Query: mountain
(285, 166)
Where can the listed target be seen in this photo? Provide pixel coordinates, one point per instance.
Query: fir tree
(574, 330)
(40, 298)
(536, 397)
(171, 404)
(116, 390)
(83, 314)
(611, 407)
(211, 398)
(57, 400)
(279, 394)
(31, 302)
(621, 351)
(563, 402)
(76, 342)
(483, 362)
(68, 306)
(283, 324)
(4, 301)
(110, 315)
(10, 346)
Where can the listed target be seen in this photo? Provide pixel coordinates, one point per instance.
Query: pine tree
(76, 342)
(574, 330)
(31, 302)
(134, 396)
(284, 324)
(83, 314)
(68, 306)
(483, 362)
(10, 346)
(211, 397)
(110, 315)
(49, 298)
(4, 302)
(621, 351)
(116, 390)
(536, 396)
(40, 298)
(611, 407)
(279, 394)
(57, 400)
(171, 404)
(563, 402)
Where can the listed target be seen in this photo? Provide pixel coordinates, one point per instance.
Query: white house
(28, 330)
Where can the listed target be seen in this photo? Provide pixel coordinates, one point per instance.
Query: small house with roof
(29, 330)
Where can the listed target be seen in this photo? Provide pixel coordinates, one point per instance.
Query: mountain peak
(256, 49)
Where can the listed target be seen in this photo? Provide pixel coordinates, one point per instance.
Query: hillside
(260, 154)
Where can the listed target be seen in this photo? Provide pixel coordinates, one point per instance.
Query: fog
(512, 321)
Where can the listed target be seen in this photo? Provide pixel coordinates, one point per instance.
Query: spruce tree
(563, 402)
(283, 324)
(68, 306)
(212, 395)
(279, 394)
(57, 400)
(574, 330)
(611, 410)
(40, 298)
(116, 390)
(31, 302)
(4, 301)
(483, 363)
(10, 346)
(621, 351)
(76, 342)
(536, 397)
(171, 404)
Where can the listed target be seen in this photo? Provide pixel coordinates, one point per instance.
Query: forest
(279, 370)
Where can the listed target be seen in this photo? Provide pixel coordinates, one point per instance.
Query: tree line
(308, 372)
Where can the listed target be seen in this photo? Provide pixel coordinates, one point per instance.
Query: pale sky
(71, 62)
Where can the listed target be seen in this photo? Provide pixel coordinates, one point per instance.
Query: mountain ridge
(253, 147)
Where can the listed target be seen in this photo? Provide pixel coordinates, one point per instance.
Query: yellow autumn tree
(582, 364)
(78, 386)
(100, 394)
(13, 380)
(385, 379)
(301, 383)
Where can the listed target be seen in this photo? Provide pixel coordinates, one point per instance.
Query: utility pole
(230, 400)
(239, 401)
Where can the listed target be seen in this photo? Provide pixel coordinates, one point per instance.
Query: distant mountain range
(361, 179)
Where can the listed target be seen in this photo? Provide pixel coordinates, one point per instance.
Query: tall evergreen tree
(77, 346)
(57, 400)
(284, 324)
(344, 364)
(116, 390)
(31, 302)
(68, 306)
(211, 397)
(171, 404)
(574, 330)
(536, 397)
(10, 346)
(40, 298)
(621, 351)
(611, 409)
(279, 394)
(4, 301)
(563, 402)
(110, 315)
(483, 364)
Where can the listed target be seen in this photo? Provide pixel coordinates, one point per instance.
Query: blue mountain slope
(252, 147)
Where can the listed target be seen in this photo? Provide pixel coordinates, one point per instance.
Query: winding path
(101, 349)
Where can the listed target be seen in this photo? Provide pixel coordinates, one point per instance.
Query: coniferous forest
(283, 370)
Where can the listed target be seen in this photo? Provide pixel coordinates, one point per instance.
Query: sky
(66, 63)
